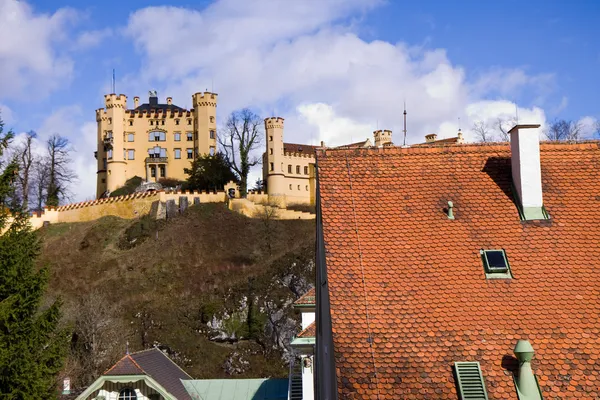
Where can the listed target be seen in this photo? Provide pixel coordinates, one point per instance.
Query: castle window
(104, 163)
(270, 151)
(130, 137)
(307, 188)
(176, 122)
(151, 122)
(290, 186)
(189, 121)
(271, 166)
(157, 136)
(270, 138)
(157, 152)
(289, 169)
(212, 119)
(306, 170)
(190, 136)
(298, 187)
(212, 151)
(212, 134)
(109, 154)
(131, 154)
(177, 153)
(298, 169)
(103, 180)
(153, 171)
(177, 136)
(162, 122)
(130, 122)
(110, 121)
(190, 154)
(163, 171)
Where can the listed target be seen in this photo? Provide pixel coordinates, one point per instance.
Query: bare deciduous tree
(98, 337)
(26, 159)
(482, 131)
(562, 129)
(241, 135)
(504, 125)
(39, 183)
(60, 175)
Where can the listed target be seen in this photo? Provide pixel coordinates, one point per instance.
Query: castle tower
(110, 154)
(382, 137)
(205, 122)
(273, 168)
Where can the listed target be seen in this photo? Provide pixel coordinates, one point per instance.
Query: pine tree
(32, 347)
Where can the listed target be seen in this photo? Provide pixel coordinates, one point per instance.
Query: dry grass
(163, 280)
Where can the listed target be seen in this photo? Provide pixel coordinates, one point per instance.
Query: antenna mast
(404, 144)
(113, 82)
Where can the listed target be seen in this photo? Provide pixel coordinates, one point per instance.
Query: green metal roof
(237, 389)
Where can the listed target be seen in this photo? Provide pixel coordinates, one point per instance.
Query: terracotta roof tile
(428, 300)
(307, 298)
(309, 331)
(125, 366)
(156, 364)
(299, 148)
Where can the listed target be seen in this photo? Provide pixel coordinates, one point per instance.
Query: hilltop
(211, 287)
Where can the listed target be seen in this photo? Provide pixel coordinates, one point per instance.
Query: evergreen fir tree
(32, 347)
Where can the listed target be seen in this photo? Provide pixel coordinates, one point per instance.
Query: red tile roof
(427, 298)
(309, 331)
(307, 298)
(154, 363)
(299, 148)
(125, 366)
(353, 145)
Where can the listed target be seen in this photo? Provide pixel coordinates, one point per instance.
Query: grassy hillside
(211, 287)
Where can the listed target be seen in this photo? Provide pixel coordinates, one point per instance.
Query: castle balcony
(153, 160)
(108, 140)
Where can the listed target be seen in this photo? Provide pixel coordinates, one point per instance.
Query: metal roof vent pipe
(526, 382)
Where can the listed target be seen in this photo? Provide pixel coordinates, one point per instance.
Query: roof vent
(152, 98)
(450, 210)
(470, 381)
(526, 171)
(526, 382)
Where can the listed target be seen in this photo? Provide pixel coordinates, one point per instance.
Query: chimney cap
(523, 126)
(524, 351)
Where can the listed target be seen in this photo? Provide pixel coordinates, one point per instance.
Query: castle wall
(131, 132)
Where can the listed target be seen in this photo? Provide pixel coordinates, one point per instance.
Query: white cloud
(30, 61)
(589, 126)
(6, 114)
(89, 39)
(310, 66)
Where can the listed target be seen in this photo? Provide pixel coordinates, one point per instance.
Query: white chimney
(526, 170)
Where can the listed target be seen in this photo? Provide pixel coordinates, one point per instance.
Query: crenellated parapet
(105, 200)
(115, 101)
(206, 99)
(274, 123)
(300, 155)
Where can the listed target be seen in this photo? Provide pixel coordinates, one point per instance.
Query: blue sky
(335, 69)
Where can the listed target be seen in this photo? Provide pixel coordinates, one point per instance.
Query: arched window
(127, 394)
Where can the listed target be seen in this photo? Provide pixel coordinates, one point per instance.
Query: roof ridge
(314, 323)
(120, 360)
(164, 355)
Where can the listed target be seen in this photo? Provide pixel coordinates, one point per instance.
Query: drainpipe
(527, 386)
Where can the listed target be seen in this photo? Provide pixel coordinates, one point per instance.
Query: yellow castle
(289, 168)
(152, 140)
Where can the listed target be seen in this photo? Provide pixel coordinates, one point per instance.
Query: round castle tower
(205, 122)
(111, 125)
(274, 168)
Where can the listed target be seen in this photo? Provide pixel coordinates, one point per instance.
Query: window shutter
(470, 381)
